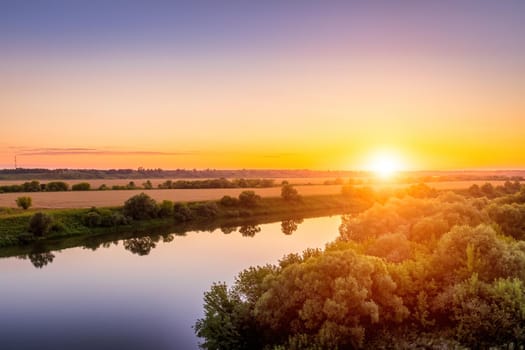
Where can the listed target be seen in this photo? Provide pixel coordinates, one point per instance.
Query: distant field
(115, 198)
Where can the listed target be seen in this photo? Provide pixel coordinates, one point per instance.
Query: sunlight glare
(385, 164)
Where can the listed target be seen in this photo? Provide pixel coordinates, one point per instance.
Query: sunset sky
(262, 84)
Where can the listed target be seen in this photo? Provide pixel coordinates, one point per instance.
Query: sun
(385, 164)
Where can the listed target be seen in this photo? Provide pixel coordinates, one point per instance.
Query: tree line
(59, 186)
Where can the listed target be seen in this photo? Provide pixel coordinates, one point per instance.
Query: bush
(24, 202)
(83, 186)
(119, 219)
(57, 186)
(33, 186)
(140, 207)
(289, 193)
(92, 219)
(104, 218)
(229, 201)
(165, 209)
(103, 187)
(249, 199)
(181, 212)
(40, 224)
(206, 210)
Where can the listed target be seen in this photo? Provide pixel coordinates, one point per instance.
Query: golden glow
(385, 164)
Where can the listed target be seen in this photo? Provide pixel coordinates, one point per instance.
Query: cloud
(93, 151)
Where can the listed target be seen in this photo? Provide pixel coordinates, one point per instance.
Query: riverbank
(72, 223)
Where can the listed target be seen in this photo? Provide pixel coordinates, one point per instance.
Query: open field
(95, 183)
(115, 198)
(86, 199)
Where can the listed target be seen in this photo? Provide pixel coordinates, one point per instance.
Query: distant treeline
(58, 186)
(36, 186)
(157, 173)
(218, 183)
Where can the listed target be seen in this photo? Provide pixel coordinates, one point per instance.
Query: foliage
(40, 224)
(97, 217)
(82, 186)
(206, 210)
(24, 202)
(140, 207)
(289, 193)
(216, 183)
(57, 186)
(438, 269)
(165, 209)
(181, 212)
(229, 201)
(249, 199)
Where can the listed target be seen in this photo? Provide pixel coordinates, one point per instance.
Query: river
(141, 293)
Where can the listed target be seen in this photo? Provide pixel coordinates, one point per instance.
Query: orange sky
(328, 103)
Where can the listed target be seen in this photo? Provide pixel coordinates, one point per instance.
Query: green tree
(249, 199)
(140, 207)
(40, 224)
(24, 202)
(289, 193)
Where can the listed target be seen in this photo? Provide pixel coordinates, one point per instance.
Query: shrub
(165, 209)
(181, 212)
(119, 219)
(40, 224)
(57, 186)
(229, 201)
(289, 193)
(140, 207)
(24, 202)
(92, 219)
(206, 210)
(103, 187)
(249, 199)
(83, 186)
(33, 186)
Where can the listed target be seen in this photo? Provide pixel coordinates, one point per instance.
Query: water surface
(142, 293)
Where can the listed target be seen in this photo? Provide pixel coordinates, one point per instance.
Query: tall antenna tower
(16, 166)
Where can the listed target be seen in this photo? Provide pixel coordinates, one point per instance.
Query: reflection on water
(290, 226)
(143, 245)
(39, 260)
(135, 291)
(249, 230)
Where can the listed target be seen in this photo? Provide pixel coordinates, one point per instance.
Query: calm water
(135, 294)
